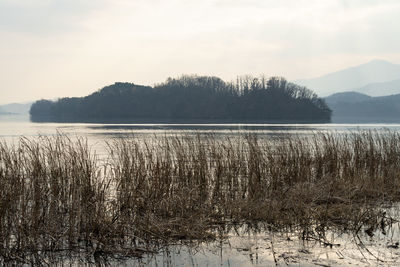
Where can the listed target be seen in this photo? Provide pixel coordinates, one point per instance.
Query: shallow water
(268, 249)
(244, 247)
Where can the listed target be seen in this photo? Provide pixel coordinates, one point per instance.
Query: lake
(243, 250)
(15, 126)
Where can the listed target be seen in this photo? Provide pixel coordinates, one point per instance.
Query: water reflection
(15, 126)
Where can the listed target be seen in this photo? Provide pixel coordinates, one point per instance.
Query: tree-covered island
(190, 99)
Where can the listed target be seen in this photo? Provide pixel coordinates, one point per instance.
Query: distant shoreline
(170, 121)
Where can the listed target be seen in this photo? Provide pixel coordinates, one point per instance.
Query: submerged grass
(56, 195)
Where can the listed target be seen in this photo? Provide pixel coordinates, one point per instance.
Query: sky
(57, 48)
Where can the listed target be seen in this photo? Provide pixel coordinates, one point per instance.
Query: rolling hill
(353, 107)
(16, 108)
(380, 89)
(377, 78)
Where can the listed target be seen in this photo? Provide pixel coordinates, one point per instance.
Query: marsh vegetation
(56, 195)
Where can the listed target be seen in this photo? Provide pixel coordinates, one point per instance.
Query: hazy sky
(53, 48)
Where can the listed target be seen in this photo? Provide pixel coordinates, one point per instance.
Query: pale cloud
(45, 17)
(51, 48)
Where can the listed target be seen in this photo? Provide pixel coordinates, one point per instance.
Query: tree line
(191, 97)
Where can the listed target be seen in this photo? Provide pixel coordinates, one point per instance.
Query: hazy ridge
(16, 108)
(377, 78)
(353, 107)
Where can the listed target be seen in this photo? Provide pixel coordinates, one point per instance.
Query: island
(191, 98)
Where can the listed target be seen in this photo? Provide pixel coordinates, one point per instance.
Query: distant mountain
(381, 89)
(16, 108)
(355, 78)
(346, 97)
(353, 107)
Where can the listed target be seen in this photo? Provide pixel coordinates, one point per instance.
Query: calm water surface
(13, 127)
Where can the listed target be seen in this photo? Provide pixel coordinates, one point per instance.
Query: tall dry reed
(56, 195)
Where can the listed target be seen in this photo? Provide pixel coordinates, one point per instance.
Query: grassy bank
(56, 195)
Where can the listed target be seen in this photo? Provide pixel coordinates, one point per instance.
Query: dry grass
(55, 195)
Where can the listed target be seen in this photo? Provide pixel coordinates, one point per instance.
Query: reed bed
(57, 196)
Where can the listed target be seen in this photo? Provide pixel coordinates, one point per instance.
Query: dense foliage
(191, 98)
